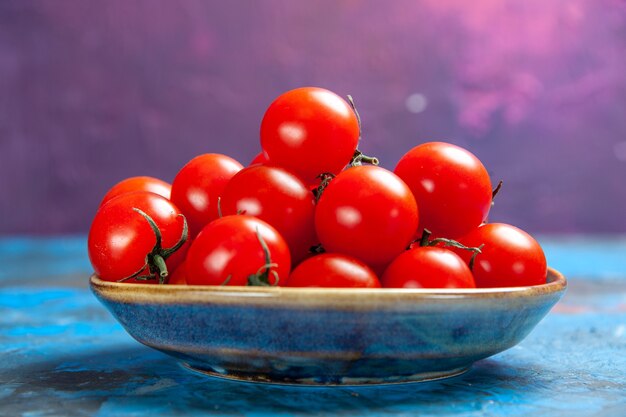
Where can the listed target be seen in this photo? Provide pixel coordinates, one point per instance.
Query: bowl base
(327, 381)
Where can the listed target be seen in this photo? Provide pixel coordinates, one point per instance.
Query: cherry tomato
(260, 158)
(451, 187)
(153, 185)
(428, 267)
(333, 270)
(310, 131)
(510, 257)
(366, 212)
(199, 184)
(278, 197)
(228, 251)
(120, 238)
(179, 276)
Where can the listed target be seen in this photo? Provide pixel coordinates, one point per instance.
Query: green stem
(359, 158)
(155, 260)
(219, 207)
(496, 190)
(425, 236)
(166, 253)
(356, 113)
(261, 278)
(326, 178)
(153, 225)
(473, 258)
(159, 263)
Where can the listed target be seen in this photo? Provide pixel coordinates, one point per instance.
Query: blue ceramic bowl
(328, 336)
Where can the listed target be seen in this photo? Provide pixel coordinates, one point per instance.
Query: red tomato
(310, 131)
(333, 270)
(199, 184)
(451, 187)
(228, 251)
(121, 241)
(153, 185)
(510, 257)
(428, 267)
(179, 276)
(277, 197)
(366, 212)
(260, 158)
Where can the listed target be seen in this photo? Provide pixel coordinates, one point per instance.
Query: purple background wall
(92, 92)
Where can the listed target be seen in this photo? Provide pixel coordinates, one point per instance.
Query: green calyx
(262, 276)
(426, 241)
(359, 158)
(155, 259)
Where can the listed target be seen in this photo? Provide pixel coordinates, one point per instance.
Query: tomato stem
(166, 253)
(425, 236)
(159, 263)
(153, 225)
(137, 275)
(317, 249)
(261, 277)
(454, 244)
(496, 190)
(227, 280)
(155, 260)
(425, 241)
(326, 178)
(359, 158)
(474, 255)
(356, 113)
(219, 207)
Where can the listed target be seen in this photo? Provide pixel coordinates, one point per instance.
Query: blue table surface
(63, 353)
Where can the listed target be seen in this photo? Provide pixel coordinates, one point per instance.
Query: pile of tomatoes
(312, 210)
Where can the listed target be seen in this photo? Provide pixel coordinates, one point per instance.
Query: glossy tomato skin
(428, 267)
(366, 212)
(120, 238)
(333, 270)
(279, 198)
(129, 185)
(229, 247)
(199, 184)
(451, 186)
(310, 131)
(179, 275)
(510, 257)
(260, 158)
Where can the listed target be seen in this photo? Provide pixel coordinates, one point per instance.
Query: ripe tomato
(199, 184)
(277, 197)
(333, 270)
(179, 276)
(428, 267)
(510, 257)
(228, 251)
(260, 158)
(366, 212)
(121, 241)
(451, 187)
(153, 185)
(310, 131)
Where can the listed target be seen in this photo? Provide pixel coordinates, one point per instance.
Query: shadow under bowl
(321, 336)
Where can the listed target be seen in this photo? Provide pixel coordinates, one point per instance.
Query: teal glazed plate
(320, 336)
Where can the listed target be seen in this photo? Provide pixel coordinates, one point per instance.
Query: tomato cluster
(312, 210)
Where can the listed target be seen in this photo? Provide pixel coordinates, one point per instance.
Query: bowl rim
(312, 296)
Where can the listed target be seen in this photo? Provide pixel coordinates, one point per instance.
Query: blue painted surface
(63, 354)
